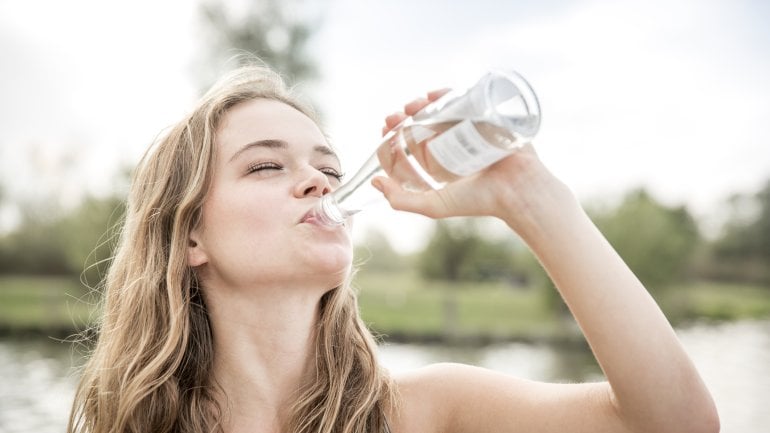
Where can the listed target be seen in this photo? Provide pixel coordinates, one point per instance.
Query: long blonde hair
(150, 369)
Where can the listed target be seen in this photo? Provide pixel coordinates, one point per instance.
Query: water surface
(37, 378)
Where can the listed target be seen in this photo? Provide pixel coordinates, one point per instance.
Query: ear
(196, 254)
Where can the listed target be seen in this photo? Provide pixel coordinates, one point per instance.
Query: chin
(328, 278)
(334, 264)
(328, 260)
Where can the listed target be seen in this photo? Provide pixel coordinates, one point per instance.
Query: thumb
(424, 202)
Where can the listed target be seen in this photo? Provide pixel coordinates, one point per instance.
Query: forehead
(261, 119)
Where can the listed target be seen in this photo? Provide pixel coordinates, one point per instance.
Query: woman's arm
(653, 386)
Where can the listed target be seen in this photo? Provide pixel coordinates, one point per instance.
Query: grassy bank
(402, 307)
(716, 301)
(53, 306)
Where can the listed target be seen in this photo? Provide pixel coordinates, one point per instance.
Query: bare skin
(651, 385)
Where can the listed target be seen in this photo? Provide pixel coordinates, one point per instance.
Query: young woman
(228, 308)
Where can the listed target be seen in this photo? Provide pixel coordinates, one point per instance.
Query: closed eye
(263, 167)
(332, 172)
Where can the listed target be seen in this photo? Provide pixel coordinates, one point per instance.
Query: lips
(312, 217)
(309, 217)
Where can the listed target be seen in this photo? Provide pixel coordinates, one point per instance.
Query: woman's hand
(518, 189)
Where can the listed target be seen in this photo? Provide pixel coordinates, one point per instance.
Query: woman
(229, 309)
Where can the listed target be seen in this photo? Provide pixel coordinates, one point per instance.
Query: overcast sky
(670, 95)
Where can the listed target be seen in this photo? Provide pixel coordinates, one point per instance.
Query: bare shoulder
(423, 397)
(449, 398)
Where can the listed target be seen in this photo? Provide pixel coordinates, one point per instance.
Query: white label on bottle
(463, 150)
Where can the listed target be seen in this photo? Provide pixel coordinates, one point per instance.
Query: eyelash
(260, 166)
(333, 173)
(252, 168)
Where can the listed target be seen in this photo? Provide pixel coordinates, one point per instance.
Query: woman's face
(272, 166)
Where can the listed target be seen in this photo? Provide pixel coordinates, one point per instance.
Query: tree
(376, 253)
(657, 242)
(458, 251)
(276, 31)
(742, 252)
(75, 243)
(448, 250)
(34, 247)
(90, 236)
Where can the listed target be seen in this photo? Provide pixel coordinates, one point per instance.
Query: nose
(312, 183)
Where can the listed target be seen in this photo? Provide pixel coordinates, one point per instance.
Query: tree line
(662, 244)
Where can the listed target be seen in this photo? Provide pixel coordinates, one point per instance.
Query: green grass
(717, 301)
(401, 305)
(498, 310)
(394, 303)
(42, 304)
(404, 304)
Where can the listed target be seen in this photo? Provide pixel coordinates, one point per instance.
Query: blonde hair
(150, 370)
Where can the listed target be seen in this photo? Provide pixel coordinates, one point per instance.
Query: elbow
(711, 421)
(692, 421)
(698, 415)
(708, 416)
(697, 411)
(701, 419)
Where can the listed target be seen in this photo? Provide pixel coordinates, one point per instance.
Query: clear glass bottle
(459, 134)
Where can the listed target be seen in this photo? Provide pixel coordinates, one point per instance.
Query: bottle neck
(329, 213)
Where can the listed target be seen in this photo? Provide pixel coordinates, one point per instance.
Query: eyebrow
(272, 143)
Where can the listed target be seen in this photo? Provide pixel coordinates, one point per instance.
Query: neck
(264, 343)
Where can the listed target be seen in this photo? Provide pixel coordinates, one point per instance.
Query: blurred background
(654, 113)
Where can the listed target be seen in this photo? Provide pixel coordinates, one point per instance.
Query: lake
(37, 379)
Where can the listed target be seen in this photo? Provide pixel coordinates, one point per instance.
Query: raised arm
(652, 384)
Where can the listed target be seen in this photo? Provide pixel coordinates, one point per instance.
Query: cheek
(248, 205)
(241, 221)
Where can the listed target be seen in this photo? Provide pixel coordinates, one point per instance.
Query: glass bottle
(459, 134)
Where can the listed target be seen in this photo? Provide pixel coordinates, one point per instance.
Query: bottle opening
(514, 102)
(329, 213)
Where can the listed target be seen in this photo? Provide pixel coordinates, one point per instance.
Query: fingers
(411, 109)
(435, 94)
(392, 121)
(427, 202)
(416, 105)
(395, 162)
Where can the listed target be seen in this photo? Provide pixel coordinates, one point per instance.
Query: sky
(668, 95)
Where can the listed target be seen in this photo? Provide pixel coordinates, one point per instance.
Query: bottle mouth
(515, 102)
(329, 213)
